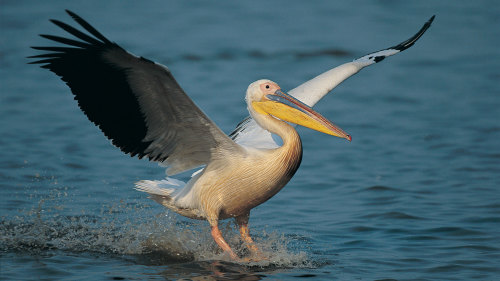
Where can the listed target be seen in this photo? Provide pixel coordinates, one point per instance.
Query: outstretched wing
(135, 102)
(249, 133)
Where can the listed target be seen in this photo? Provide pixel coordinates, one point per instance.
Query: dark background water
(415, 196)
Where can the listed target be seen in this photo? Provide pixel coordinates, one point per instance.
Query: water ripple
(392, 215)
(260, 54)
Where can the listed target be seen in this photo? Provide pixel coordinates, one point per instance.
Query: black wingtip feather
(75, 32)
(408, 43)
(41, 61)
(88, 27)
(66, 41)
(52, 49)
(47, 55)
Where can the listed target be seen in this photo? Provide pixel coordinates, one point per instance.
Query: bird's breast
(250, 180)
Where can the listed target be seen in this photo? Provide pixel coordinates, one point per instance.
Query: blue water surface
(414, 196)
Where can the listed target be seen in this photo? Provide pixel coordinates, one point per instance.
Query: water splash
(133, 231)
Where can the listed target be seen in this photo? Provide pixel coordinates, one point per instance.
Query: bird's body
(142, 109)
(234, 183)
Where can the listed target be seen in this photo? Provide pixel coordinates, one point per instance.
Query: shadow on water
(214, 269)
(210, 270)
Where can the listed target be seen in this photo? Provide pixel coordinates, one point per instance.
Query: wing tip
(380, 55)
(408, 43)
(72, 14)
(88, 27)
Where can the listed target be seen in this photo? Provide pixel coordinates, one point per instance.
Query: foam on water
(134, 230)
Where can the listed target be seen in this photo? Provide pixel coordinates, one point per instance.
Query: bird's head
(266, 97)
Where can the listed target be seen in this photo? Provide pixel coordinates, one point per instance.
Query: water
(415, 196)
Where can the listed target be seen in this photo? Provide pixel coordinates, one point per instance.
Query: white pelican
(140, 107)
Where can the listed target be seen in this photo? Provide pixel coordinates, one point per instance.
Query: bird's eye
(267, 87)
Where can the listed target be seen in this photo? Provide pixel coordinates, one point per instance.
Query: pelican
(141, 108)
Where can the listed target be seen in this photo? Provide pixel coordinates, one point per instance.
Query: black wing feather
(65, 41)
(135, 102)
(52, 49)
(75, 32)
(377, 57)
(88, 27)
(100, 89)
(408, 43)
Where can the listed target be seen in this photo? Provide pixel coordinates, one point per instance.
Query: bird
(140, 107)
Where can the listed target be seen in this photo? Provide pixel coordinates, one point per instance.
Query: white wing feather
(250, 134)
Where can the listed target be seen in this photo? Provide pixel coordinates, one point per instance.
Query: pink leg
(222, 243)
(242, 222)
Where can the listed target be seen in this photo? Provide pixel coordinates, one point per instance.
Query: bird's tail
(162, 192)
(162, 188)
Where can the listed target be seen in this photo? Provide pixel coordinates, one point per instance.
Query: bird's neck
(288, 156)
(292, 145)
(286, 132)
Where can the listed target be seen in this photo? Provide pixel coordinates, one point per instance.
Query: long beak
(290, 109)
